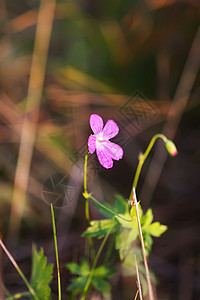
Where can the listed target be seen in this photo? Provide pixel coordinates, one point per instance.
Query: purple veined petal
(116, 152)
(104, 158)
(96, 123)
(91, 144)
(110, 130)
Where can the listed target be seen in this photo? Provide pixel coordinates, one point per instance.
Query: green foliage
(83, 271)
(126, 235)
(129, 268)
(150, 229)
(100, 228)
(126, 231)
(120, 206)
(41, 275)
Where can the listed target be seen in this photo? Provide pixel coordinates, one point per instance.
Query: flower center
(99, 140)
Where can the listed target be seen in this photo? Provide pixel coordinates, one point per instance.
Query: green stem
(85, 170)
(109, 250)
(87, 285)
(87, 213)
(142, 159)
(18, 296)
(56, 251)
(31, 290)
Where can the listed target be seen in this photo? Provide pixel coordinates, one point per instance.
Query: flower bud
(171, 148)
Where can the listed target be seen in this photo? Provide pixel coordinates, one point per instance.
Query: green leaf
(99, 279)
(41, 275)
(84, 268)
(101, 228)
(102, 272)
(150, 229)
(147, 219)
(126, 224)
(123, 242)
(104, 211)
(120, 205)
(77, 283)
(102, 286)
(73, 267)
(156, 229)
(148, 241)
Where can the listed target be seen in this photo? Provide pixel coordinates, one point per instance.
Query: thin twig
(138, 280)
(136, 295)
(31, 290)
(150, 290)
(1, 267)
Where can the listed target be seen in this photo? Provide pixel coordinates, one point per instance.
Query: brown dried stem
(150, 290)
(29, 127)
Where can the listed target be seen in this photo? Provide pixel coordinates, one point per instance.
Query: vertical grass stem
(56, 251)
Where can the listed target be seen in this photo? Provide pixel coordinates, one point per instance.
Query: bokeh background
(136, 62)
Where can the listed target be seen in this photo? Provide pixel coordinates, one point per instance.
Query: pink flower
(106, 150)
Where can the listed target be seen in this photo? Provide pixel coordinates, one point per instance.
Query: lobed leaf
(73, 267)
(120, 205)
(156, 229)
(102, 286)
(147, 219)
(103, 272)
(98, 281)
(101, 228)
(41, 275)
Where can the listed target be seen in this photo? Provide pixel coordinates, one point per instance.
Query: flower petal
(115, 151)
(96, 123)
(110, 130)
(104, 158)
(91, 144)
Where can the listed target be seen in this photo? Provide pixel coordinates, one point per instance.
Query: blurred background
(136, 62)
